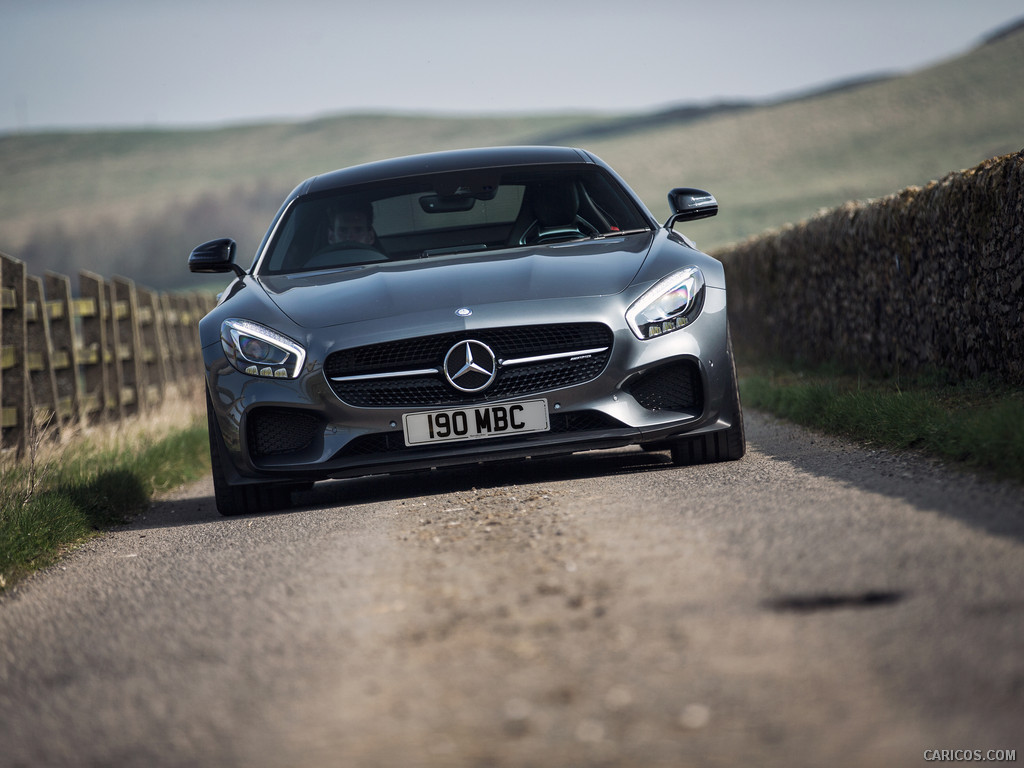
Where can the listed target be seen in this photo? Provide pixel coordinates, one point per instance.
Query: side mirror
(689, 204)
(215, 256)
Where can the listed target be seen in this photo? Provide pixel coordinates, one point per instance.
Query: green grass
(52, 503)
(978, 425)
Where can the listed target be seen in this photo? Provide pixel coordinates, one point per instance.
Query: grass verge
(64, 495)
(979, 425)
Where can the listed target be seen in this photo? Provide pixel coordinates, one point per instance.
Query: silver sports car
(459, 307)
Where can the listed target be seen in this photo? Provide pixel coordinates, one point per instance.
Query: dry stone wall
(929, 279)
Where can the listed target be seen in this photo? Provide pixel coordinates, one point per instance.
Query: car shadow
(996, 508)
(371, 489)
(484, 477)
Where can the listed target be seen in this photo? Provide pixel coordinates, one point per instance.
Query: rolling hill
(134, 202)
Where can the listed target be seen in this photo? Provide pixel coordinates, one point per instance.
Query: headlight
(671, 304)
(259, 351)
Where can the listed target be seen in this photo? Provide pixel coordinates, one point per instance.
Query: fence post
(64, 348)
(187, 317)
(39, 360)
(128, 345)
(97, 357)
(176, 365)
(198, 306)
(15, 413)
(153, 345)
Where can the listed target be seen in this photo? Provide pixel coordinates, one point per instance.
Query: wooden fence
(110, 354)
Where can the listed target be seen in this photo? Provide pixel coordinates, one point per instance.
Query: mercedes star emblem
(470, 366)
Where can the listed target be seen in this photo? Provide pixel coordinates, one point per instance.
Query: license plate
(454, 424)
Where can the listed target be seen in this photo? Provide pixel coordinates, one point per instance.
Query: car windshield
(444, 214)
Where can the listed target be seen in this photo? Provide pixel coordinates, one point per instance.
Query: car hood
(590, 268)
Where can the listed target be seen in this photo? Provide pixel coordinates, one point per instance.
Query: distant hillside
(689, 113)
(1007, 31)
(135, 202)
(784, 162)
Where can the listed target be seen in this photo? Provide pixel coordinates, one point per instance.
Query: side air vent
(672, 387)
(281, 431)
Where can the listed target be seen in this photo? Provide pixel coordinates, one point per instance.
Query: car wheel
(725, 444)
(231, 499)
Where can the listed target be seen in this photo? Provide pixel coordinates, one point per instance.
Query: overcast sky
(148, 63)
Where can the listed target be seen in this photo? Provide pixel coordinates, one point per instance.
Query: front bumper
(299, 430)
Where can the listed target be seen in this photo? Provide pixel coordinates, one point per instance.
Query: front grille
(278, 431)
(561, 423)
(382, 393)
(672, 387)
(428, 352)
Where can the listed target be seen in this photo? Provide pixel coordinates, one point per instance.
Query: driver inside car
(352, 225)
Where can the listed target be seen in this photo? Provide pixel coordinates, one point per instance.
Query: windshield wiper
(619, 233)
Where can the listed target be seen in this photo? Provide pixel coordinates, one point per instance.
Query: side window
(285, 236)
(608, 201)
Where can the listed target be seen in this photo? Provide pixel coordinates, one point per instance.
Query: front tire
(232, 500)
(724, 445)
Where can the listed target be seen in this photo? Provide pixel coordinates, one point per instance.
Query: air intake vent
(672, 387)
(279, 431)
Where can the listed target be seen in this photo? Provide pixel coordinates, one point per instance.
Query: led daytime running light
(260, 351)
(671, 304)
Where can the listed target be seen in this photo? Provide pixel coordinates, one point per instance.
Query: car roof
(441, 162)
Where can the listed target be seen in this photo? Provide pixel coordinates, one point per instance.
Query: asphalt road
(813, 604)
